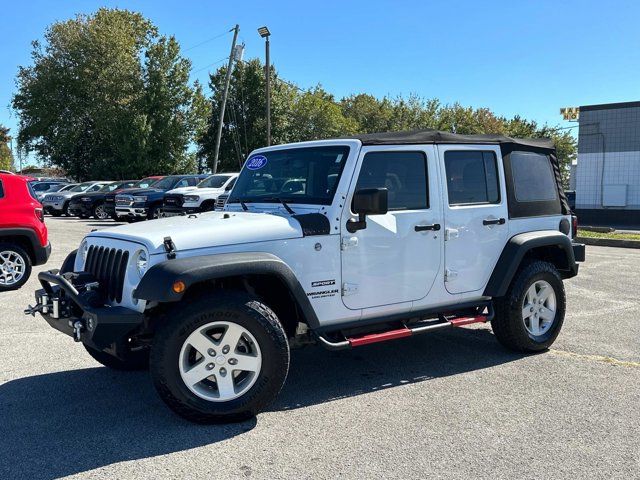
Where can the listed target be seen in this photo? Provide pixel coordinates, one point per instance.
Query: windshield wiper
(284, 204)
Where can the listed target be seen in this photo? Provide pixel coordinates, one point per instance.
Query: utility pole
(235, 29)
(265, 33)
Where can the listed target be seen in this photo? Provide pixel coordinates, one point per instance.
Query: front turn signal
(178, 286)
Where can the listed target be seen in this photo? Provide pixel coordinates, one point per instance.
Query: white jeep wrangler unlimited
(347, 242)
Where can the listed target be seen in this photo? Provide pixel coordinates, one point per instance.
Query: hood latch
(170, 248)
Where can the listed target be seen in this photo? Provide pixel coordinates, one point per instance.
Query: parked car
(57, 204)
(23, 234)
(110, 198)
(85, 205)
(201, 198)
(42, 188)
(354, 241)
(146, 203)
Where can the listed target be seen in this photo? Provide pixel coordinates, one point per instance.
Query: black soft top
(507, 145)
(417, 137)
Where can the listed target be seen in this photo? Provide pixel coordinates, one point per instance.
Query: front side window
(95, 188)
(403, 174)
(81, 187)
(533, 177)
(472, 177)
(214, 181)
(300, 175)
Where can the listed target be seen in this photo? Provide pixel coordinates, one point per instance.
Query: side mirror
(368, 201)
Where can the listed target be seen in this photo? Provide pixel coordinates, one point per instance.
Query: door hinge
(450, 233)
(449, 274)
(348, 242)
(349, 289)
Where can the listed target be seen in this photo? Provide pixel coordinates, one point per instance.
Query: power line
(208, 40)
(211, 64)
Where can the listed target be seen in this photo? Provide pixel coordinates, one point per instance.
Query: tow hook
(32, 310)
(78, 327)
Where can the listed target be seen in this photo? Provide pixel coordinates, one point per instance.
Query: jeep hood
(206, 230)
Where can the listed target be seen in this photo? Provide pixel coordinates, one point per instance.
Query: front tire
(530, 316)
(220, 358)
(99, 212)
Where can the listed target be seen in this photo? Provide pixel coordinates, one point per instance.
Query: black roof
(417, 137)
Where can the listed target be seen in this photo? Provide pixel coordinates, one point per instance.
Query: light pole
(265, 33)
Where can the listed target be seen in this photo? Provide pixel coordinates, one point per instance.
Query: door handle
(423, 228)
(493, 221)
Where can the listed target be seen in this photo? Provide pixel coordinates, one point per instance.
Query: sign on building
(570, 113)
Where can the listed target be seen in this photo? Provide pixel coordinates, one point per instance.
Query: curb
(609, 242)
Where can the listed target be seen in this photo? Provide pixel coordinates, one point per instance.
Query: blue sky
(528, 58)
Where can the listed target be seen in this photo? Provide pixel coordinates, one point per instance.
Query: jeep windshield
(294, 175)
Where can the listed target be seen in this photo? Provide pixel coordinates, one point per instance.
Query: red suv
(23, 234)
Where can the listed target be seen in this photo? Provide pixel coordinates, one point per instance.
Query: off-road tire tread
(261, 313)
(507, 322)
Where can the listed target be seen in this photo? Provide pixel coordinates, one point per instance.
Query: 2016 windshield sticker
(256, 162)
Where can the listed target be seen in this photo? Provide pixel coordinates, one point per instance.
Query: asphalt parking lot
(448, 405)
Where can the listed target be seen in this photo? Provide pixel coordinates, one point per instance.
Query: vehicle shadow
(70, 422)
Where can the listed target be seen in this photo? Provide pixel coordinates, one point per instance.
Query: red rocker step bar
(402, 332)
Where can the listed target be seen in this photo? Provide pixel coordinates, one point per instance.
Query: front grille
(109, 266)
(124, 200)
(221, 200)
(174, 200)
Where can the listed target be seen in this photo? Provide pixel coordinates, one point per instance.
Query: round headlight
(141, 263)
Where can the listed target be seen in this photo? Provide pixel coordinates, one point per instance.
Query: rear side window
(472, 177)
(533, 177)
(1, 190)
(403, 174)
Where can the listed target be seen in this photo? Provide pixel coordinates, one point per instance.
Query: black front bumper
(65, 309)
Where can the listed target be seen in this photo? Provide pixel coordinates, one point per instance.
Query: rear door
(475, 214)
(396, 258)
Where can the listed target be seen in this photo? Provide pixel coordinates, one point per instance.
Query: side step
(402, 332)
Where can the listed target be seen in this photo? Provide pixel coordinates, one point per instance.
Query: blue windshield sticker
(256, 162)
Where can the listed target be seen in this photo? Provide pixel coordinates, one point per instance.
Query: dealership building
(607, 174)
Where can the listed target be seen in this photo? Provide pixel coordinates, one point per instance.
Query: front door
(396, 257)
(475, 214)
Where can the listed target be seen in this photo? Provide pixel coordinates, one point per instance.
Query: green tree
(315, 115)
(106, 97)
(245, 125)
(6, 156)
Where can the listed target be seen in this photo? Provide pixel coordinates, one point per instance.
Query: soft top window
(533, 177)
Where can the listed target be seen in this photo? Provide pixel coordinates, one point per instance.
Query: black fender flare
(516, 249)
(156, 284)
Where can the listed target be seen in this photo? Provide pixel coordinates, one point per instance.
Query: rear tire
(192, 366)
(55, 213)
(135, 360)
(530, 316)
(65, 210)
(15, 266)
